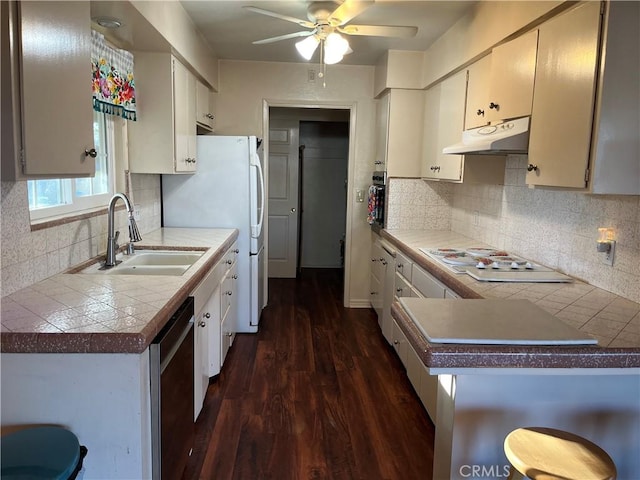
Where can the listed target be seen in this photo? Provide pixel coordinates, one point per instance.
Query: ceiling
(230, 29)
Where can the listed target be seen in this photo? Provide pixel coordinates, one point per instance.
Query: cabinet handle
(229, 293)
(374, 293)
(494, 106)
(209, 116)
(229, 262)
(396, 342)
(202, 324)
(435, 168)
(480, 113)
(398, 290)
(374, 260)
(378, 162)
(207, 315)
(532, 168)
(235, 277)
(236, 251)
(400, 266)
(90, 153)
(230, 334)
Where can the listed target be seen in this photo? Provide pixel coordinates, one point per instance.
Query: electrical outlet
(312, 76)
(476, 218)
(359, 196)
(607, 257)
(136, 212)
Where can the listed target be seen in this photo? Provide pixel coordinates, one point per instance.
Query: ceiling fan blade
(379, 30)
(283, 37)
(302, 23)
(348, 10)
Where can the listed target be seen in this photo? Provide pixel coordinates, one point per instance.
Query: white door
(283, 198)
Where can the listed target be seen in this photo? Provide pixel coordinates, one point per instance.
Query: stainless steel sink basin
(149, 262)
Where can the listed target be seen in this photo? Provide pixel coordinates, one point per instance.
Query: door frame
(351, 106)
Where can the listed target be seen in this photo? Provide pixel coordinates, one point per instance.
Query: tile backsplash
(554, 227)
(30, 256)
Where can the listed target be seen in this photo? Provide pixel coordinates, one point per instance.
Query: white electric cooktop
(493, 265)
(490, 322)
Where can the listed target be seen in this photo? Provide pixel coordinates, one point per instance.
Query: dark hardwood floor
(315, 394)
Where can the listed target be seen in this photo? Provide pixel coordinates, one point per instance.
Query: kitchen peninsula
(484, 391)
(75, 350)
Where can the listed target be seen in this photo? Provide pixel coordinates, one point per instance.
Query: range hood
(507, 137)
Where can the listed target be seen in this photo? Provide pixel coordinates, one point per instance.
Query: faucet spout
(112, 237)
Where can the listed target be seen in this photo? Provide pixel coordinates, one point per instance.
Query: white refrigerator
(227, 191)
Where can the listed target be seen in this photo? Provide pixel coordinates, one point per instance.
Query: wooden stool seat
(546, 453)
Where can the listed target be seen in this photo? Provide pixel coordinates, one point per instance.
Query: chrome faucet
(112, 238)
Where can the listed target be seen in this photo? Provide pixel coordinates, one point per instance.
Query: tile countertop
(614, 321)
(89, 313)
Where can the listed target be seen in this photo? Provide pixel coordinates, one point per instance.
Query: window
(56, 197)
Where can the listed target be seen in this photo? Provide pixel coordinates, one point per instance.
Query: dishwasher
(172, 384)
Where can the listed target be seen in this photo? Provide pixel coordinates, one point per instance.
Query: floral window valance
(112, 79)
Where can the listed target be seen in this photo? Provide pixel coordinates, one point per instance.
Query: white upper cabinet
(443, 125)
(163, 139)
(478, 82)
(444, 115)
(513, 68)
(47, 90)
(584, 126)
(399, 132)
(204, 110)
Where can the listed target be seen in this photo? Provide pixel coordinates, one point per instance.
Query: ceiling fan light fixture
(336, 45)
(307, 47)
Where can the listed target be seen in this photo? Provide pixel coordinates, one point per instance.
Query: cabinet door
(400, 343)
(449, 123)
(382, 132)
(561, 123)
(387, 299)
(184, 115)
(430, 155)
(404, 143)
(478, 84)
(204, 115)
(513, 70)
(205, 352)
(57, 115)
(228, 325)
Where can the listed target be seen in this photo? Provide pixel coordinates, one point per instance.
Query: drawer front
(404, 266)
(400, 343)
(427, 285)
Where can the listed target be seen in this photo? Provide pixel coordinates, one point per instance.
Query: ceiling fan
(327, 22)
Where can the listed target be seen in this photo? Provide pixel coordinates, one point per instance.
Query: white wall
(239, 111)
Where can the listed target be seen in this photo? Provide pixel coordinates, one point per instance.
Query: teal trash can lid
(39, 453)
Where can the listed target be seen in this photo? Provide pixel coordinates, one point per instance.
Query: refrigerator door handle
(257, 229)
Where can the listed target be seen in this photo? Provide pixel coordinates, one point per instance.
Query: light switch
(359, 196)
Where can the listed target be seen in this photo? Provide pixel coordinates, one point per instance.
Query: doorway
(308, 182)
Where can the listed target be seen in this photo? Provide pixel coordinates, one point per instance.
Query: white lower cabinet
(412, 281)
(228, 312)
(206, 358)
(215, 310)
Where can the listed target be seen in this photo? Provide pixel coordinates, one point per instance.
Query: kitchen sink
(149, 262)
(155, 258)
